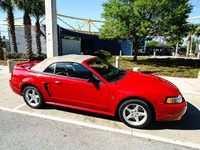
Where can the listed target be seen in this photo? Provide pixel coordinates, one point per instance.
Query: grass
(185, 68)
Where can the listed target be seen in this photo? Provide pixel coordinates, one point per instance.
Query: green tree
(139, 20)
(152, 43)
(175, 42)
(38, 12)
(7, 6)
(27, 7)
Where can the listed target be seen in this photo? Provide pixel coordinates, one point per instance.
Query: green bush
(39, 57)
(102, 54)
(13, 55)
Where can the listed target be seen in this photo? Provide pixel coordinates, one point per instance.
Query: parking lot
(184, 132)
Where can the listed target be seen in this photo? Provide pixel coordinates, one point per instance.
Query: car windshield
(106, 70)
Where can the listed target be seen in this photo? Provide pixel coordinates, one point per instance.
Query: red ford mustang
(88, 83)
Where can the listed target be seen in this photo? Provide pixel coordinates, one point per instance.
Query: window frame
(70, 76)
(53, 71)
(94, 74)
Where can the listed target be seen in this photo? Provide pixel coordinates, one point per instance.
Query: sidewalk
(185, 85)
(3, 69)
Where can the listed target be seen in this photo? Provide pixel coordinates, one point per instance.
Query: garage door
(71, 47)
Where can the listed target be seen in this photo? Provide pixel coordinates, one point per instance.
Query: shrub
(39, 57)
(102, 54)
(13, 55)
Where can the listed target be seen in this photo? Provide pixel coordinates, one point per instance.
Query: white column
(154, 53)
(136, 69)
(10, 65)
(117, 62)
(51, 28)
(120, 53)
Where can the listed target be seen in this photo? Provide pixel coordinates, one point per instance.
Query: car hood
(146, 82)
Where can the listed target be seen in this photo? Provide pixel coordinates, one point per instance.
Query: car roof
(40, 67)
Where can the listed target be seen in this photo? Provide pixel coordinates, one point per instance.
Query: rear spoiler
(26, 64)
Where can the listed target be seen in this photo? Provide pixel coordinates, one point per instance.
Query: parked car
(88, 83)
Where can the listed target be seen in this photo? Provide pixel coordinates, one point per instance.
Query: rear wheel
(33, 97)
(135, 113)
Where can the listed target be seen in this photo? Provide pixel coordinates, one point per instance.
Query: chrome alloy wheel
(135, 114)
(32, 97)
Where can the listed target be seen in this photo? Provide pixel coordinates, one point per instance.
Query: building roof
(40, 67)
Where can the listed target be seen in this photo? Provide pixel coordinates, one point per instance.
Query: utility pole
(51, 28)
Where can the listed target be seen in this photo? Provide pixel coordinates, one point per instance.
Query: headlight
(174, 100)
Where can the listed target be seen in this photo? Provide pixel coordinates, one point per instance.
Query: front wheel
(33, 97)
(135, 113)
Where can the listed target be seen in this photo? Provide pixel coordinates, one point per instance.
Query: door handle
(58, 82)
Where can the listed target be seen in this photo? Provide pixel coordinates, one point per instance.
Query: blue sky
(89, 9)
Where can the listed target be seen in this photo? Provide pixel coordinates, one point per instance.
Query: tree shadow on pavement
(190, 121)
(171, 62)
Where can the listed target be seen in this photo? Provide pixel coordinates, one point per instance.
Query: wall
(21, 46)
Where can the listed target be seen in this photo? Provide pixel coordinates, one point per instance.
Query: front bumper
(172, 112)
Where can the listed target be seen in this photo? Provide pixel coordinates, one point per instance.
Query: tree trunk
(177, 48)
(28, 37)
(136, 48)
(191, 46)
(1, 50)
(37, 35)
(135, 54)
(188, 47)
(12, 28)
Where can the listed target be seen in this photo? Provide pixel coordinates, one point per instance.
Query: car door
(69, 86)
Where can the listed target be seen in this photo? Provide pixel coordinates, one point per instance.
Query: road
(20, 131)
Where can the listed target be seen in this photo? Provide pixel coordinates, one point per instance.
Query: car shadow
(81, 112)
(190, 121)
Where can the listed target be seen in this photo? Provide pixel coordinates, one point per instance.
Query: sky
(87, 9)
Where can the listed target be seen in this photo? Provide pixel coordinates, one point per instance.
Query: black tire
(33, 97)
(135, 113)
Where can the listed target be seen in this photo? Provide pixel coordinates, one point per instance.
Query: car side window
(50, 69)
(74, 70)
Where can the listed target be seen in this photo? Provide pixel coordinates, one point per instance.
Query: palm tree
(38, 12)
(194, 30)
(27, 7)
(7, 6)
(188, 45)
(1, 50)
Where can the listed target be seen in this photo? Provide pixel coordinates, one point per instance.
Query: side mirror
(92, 80)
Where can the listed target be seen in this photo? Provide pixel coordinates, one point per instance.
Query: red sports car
(88, 83)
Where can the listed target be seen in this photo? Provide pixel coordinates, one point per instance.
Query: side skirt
(81, 108)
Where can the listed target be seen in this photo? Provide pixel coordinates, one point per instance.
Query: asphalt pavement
(185, 132)
(20, 131)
